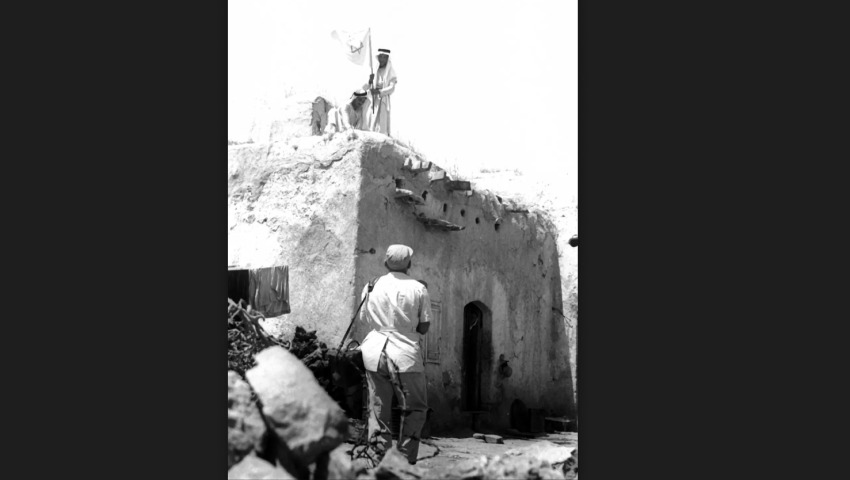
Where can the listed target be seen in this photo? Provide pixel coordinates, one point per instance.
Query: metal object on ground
(558, 424)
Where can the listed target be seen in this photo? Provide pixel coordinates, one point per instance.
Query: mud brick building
(328, 210)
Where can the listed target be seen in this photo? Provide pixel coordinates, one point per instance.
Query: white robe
(385, 80)
(347, 118)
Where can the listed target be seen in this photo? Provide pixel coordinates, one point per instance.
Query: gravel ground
(459, 447)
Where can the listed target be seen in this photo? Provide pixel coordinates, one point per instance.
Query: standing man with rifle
(397, 314)
(381, 85)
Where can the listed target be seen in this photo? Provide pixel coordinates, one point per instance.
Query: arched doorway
(476, 356)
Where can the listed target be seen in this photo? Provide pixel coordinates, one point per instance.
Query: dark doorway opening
(238, 285)
(519, 416)
(473, 322)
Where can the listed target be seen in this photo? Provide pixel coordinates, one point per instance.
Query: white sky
(482, 84)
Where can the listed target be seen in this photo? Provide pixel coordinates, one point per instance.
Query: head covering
(386, 75)
(361, 94)
(398, 257)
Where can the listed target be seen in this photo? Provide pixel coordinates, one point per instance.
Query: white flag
(356, 45)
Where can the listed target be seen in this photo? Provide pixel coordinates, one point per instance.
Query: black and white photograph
(402, 239)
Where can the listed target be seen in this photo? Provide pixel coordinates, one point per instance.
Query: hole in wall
(476, 219)
(519, 416)
(463, 213)
(425, 195)
(399, 182)
(497, 227)
(445, 207)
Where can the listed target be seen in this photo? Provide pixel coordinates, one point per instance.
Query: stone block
(415, 165)
(437, 175)
(298, 409)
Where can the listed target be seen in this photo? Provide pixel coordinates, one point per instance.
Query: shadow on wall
(561, 329)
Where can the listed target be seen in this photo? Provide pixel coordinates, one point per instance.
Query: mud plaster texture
(550, 194)
(282, 119)
(320, 206)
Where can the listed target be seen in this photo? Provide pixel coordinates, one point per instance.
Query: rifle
(376, 100)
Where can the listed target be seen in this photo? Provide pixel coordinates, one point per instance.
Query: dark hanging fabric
(269, 289)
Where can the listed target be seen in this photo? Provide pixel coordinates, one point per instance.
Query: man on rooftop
(382, 85)
(354, 115)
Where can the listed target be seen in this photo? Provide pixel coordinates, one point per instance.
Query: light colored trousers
(409, 389)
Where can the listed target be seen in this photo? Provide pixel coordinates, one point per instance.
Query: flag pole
(371, 72)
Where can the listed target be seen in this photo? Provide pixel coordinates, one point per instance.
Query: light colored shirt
(347, 117)
(357, 119)
(396, 306)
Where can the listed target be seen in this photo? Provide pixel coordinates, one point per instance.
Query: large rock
(300, 412)
(394, 466)
(335, 465)
(252, 467)
(245, 426)
(340, 464)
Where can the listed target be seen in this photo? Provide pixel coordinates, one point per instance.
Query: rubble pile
(282, 424)
(287, 417)
(339, 375)
(314, 355)
(526, 468)
(542, 460)
(245, 337)
(571, 466)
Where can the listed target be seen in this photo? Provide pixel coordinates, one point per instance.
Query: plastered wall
(323, 207)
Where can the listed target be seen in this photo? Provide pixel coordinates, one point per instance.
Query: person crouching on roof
(353, 115)
(397, 315)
